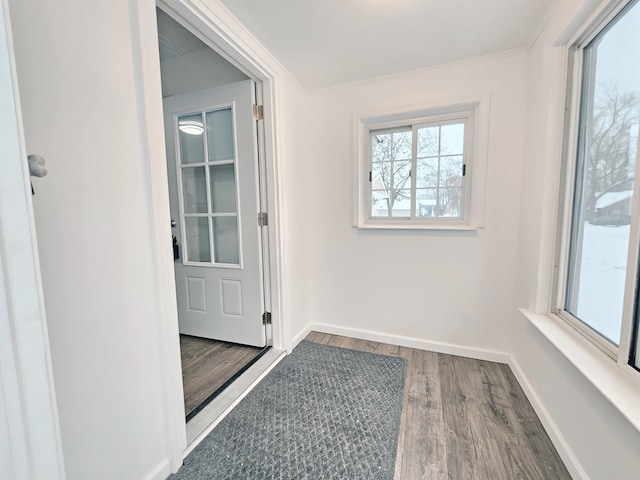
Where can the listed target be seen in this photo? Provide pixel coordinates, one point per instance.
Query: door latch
(176, 249)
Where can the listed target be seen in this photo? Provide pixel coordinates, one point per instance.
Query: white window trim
(476, 163)
(616, 381)
(575, 50)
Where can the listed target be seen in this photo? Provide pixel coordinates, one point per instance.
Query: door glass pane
(220, 135)
(191, 140)
(194, 189)
(223, 188)
(225, 240)
(198, 245)
(608, 136)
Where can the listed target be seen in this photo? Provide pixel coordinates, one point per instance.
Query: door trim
(246, 326)
(222, 32)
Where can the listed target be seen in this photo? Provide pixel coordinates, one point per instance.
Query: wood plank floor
(208, 364)
(463, 419)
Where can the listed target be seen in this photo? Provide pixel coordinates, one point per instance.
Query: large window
(597, 293)
(421, 169)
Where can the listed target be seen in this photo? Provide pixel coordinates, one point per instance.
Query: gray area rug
(322, 412)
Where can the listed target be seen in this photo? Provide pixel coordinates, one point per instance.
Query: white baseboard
(300, 336)
(562, 446)
(160, 471)
(422, 344)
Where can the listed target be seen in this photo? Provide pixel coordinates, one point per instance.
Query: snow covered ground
(602, 277)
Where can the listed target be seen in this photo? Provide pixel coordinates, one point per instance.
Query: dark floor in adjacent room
(207, 365)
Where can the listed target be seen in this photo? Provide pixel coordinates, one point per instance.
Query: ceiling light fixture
(191, 127)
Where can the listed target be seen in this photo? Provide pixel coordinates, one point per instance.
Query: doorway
(214, 189)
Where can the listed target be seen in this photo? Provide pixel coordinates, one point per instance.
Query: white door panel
(213, 189)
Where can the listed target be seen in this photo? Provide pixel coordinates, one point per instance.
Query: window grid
(207, 210)
(429, 194)
(443, 188)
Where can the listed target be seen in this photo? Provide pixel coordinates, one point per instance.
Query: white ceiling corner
(341, 41)
(173, 39)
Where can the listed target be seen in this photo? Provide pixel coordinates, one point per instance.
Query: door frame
(218, 30)
(222, 32)
(246, 327)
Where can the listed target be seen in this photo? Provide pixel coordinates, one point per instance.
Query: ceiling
(329, 42)
(173, 39)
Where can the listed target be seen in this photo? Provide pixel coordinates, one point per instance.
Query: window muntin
(600, 262)
(440, 170)
(208, 185)
(391, 164)
(417, 172)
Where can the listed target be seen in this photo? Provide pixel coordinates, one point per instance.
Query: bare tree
(451, 190)
(611, 155)
(391, 160)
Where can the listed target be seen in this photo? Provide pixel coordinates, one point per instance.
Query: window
(597, 284)
(436, 189)
(421, 169)
(207, 184)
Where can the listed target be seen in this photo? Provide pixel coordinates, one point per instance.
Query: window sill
(417, 226)
(615, 382)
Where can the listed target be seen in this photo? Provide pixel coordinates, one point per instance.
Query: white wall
(604, 445)
(80, 70)
(449, 287)
(76, 68)
(297, 292)
(196, 71)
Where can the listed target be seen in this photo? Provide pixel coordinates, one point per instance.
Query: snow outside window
(598, 291)
(421, 169)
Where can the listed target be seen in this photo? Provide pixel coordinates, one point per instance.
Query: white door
(213, 187)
